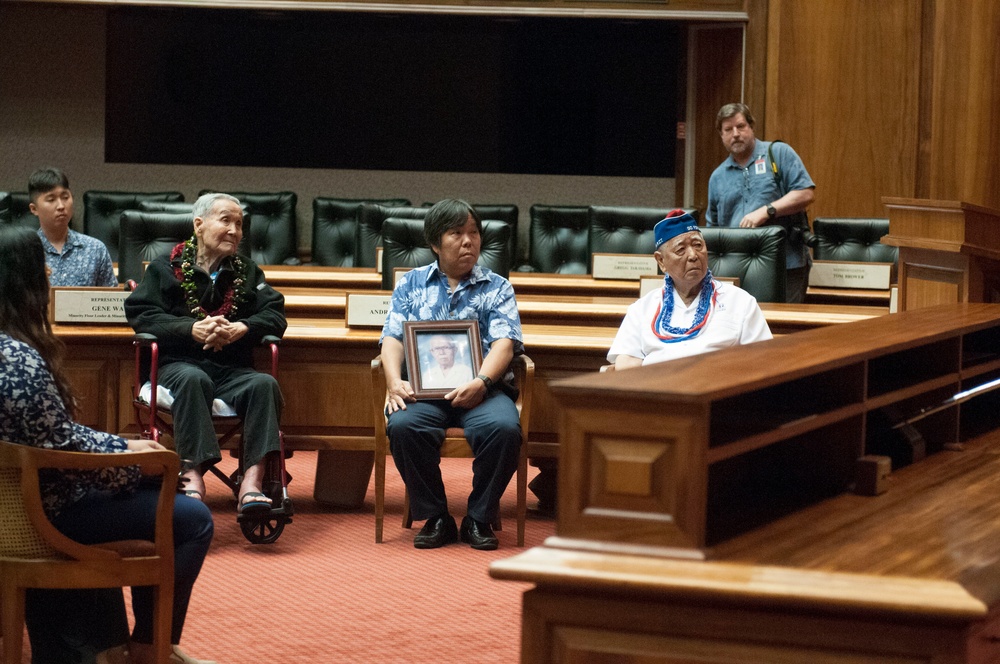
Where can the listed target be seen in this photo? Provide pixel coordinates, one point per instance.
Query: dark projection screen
(392, 92)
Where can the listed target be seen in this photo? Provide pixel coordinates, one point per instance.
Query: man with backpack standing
(761, 183)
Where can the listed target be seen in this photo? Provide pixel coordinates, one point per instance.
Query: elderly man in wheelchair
(208, 309)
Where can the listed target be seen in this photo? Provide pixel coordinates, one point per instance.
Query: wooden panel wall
(843, 88)
(963, 161)
(717, 55)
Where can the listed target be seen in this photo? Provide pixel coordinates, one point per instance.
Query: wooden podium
(949, 251)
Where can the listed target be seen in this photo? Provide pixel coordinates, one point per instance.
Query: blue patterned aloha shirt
(84, 261)
(33, 413)
(423, 294)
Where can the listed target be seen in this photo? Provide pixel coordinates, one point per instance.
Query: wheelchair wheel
(263, 530)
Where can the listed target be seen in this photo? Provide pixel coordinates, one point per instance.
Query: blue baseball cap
(676, 223)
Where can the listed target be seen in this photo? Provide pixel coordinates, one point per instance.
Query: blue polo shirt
(735, 191)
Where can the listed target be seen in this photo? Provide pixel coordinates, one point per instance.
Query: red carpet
(324, 592)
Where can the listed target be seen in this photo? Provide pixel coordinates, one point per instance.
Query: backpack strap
(801, 219)
(774, 165)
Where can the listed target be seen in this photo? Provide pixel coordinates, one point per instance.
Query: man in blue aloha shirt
(73, 258)
(454, 287)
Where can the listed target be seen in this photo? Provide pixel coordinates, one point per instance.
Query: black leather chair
(754, 255)
(335, 228)
(623, 230)
(272, 231)
(501, 212)
(181, 207)
(102, 212)
(404, 245)
(169, 206)
(852, 239)
(148, 235)
(558, 240)
(371, 218)
(14, 210)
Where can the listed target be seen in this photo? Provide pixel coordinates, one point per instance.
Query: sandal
(254, 505)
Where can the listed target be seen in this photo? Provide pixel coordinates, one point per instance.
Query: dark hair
(445, 215)
(24, 301)
(730, 110)
(45, 179)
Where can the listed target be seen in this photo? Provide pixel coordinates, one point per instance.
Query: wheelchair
(152, 409)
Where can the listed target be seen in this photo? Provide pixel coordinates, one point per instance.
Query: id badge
(758, 166)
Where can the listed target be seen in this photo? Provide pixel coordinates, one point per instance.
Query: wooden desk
(660, 455)
(525, 283)
(317, 276)
(539, 284)
(758, 444)
(360, 278)
(912, 575)
(324, 376)
(851, 296)
(590, 310)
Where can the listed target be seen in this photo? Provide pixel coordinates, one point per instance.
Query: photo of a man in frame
(446, 362)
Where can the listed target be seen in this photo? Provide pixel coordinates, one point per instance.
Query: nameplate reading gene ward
(88, 306)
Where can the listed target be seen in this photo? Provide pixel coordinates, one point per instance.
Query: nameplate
(836, 274)
(650, 282)
(87, 306)
(378, 259)
(622, 266)
(367, 309)
(397, 274)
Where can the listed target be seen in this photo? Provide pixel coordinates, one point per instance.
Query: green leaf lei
(235, 295)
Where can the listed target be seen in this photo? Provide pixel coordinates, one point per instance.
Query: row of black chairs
(756, 257)
(347, 232)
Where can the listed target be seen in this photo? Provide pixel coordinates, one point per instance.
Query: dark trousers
(494, 433)
(69, 626)
(254, 396)
(796, 282)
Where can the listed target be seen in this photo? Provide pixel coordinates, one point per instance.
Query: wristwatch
(771, 212)
(486, 379)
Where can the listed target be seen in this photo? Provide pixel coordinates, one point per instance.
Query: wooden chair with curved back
(33, 554)
(455, 445)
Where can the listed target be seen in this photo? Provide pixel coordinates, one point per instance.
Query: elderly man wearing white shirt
(693, 313)
(444, 372)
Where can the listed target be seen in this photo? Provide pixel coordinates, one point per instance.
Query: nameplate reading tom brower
(846, 274)
(622, 266)
(367, 309)
(88, 306)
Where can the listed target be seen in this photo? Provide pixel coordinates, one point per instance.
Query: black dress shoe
(436, 532)
(478, 535)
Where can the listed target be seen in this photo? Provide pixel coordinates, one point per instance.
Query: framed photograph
(441, 355)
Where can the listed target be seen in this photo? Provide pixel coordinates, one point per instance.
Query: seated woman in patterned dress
(36, 408)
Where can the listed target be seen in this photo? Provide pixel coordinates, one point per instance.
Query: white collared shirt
(735, 319)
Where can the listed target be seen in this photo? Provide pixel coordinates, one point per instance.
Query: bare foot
(251, 495)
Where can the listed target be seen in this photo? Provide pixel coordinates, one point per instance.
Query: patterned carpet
(324, 592)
